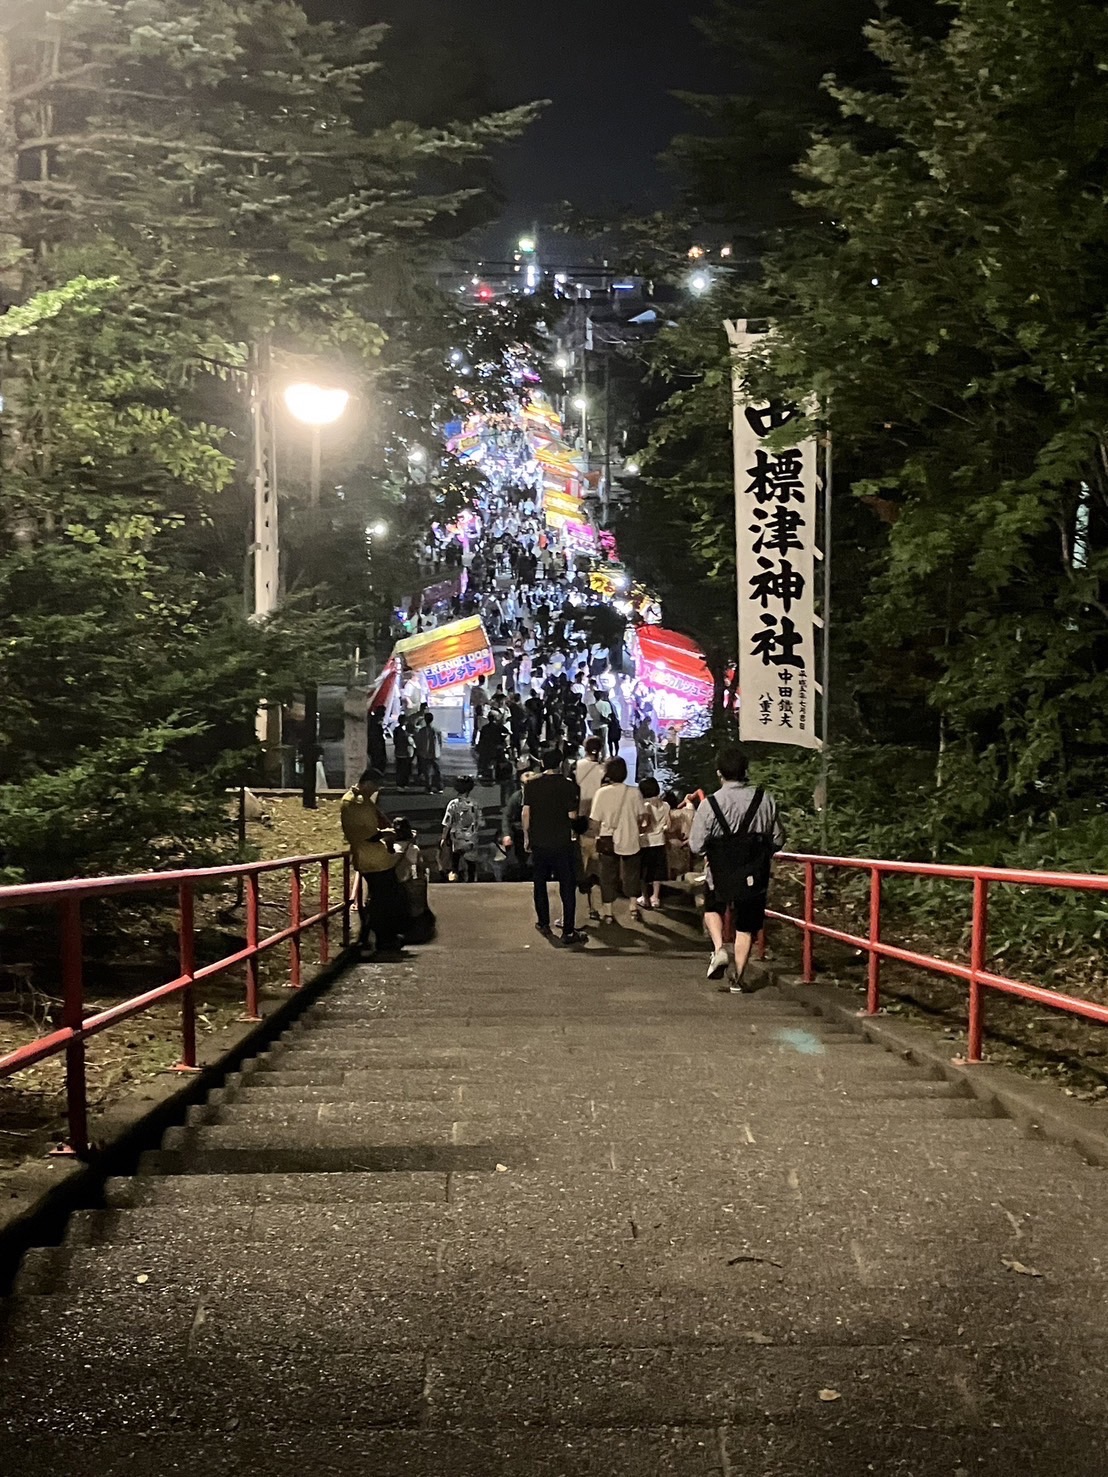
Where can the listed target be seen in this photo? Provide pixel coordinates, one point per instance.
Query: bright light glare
(631, 469)
(700, 283)
(562, 363)
(417, 456)
(456, 356)
(580, 403)
(316, 405)
(527, 243)
(378, 529)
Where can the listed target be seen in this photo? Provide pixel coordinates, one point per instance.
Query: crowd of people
(554, 727)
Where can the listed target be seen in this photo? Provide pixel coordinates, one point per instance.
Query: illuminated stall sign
(450, 655)
(670, 662)
(459, 669)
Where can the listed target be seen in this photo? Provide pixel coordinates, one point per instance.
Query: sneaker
(574, 940)
(594, 916)
(717, 968)
(545, 930)
(451, 876)
(730, 989)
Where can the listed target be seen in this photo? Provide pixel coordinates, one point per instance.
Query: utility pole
(604, 501)
(266, 544)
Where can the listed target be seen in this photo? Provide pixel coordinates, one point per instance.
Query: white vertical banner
(777, 494)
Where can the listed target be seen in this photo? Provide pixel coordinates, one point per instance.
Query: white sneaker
(451, 876)
(717, 968)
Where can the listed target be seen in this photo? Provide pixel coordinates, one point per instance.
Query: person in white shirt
(616, 823)
(652, 859)
(589, 774)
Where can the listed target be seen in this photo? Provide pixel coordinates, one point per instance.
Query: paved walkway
(504, 1209)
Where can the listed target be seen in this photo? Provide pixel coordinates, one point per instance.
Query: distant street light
(700, 283)
(316, 406)
(378, 529)
(580, 402)
(527, 244)
(630, 469)
(562, 364)
(417, 456)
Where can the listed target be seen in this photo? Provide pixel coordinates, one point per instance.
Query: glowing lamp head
(378, 529)
(527, 244)
(700, 283)
(631, 469)
(417, 456)
(562, 363)
(580, 403)
(317, 405)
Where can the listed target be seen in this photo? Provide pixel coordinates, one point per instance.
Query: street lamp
(700, 283)
(316, 406)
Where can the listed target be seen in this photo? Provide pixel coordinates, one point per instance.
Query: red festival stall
(673, 667)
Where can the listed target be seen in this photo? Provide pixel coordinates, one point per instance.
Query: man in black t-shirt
(550, 806)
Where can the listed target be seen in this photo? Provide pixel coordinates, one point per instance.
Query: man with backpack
(461, 829)
(739, 831)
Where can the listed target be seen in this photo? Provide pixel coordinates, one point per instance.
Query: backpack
(466, 825)
(739, 860)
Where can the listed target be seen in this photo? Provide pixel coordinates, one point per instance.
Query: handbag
(605, 846)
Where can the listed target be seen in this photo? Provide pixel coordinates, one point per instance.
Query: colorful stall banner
(450, 655)
(670, 662)
(581, 535)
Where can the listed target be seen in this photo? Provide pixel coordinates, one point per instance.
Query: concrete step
(378, 1088)
(528, 1113)
(311, 1160)
(661, 1452)
(757, 1256)
(119, 1322)
(822, 1446)
(588, 1387)
(493, 1226)
(214, 1189)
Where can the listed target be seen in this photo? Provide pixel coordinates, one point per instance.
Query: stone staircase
(504, 1209)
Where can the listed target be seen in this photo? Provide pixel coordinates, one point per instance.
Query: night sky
(606, 65)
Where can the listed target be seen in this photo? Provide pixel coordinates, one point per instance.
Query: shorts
(748, 913)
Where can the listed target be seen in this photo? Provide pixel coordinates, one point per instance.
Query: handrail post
(252, 901)
(809, 919)
(296, 896)
(73, 1015)
(346, 900)
(978, 950)
(186, 938)
(325, 909)
(873, 979)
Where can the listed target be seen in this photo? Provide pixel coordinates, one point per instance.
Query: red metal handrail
(77, 1027)
(974, 973)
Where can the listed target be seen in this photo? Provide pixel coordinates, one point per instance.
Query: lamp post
(316, 406)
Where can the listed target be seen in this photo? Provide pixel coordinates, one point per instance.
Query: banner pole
(734, 332)
(825, 768)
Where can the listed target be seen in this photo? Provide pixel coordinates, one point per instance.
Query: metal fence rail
(77, 1027)
(973, 971)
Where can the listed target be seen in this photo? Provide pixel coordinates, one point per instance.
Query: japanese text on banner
(777, 497)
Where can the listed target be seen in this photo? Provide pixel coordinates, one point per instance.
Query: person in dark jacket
(402, 747)
(376, 743)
